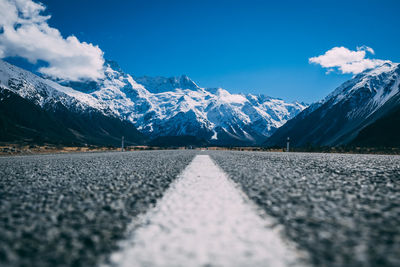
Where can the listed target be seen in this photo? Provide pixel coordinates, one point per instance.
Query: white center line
(204, 220)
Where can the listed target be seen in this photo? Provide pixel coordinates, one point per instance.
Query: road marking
(203, 219)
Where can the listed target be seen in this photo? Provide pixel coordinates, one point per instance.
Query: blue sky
(243, 46)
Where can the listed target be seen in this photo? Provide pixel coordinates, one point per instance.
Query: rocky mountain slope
(348, 112)
(37, 110)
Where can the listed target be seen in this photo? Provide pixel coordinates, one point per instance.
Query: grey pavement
(344, 210)
(70, 210)
(73, 209)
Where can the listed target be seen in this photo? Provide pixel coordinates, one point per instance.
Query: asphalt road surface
(188, 208)
(344, 210)
(69, 210)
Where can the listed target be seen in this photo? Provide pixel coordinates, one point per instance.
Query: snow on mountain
(372, 88)
(339, 117)
(43, 91)
(174, 106)
(160, 106)
(161, 84)
(36, 110)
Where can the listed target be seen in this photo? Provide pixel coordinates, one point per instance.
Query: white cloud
(347, 61)
(24, 32)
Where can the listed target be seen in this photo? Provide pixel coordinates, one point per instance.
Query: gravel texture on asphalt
(204, 219)
(71, 209)
(344, 210)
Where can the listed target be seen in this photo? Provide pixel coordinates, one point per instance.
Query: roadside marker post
(287, 145)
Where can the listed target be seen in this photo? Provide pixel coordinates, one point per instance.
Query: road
(188, 208)
(343, 209)
(69, 210)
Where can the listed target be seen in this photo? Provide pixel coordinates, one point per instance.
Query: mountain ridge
(214, 115)
(36, 110)
(338, 118)
(196, 111)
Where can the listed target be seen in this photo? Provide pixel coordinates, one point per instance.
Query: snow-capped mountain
(338, 119)
(42, 92)
(34, 109)
(161, 84)
(159, 106)
(177, 106)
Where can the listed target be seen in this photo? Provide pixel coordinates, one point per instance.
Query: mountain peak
(159, 84)
(185, 77)
(385, 67)
(113, 65)
(344, 113)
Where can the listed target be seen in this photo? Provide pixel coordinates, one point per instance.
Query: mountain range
(38, 109)
(364, 111)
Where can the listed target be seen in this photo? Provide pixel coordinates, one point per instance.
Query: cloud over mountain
(346, 60)
(24, 32)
